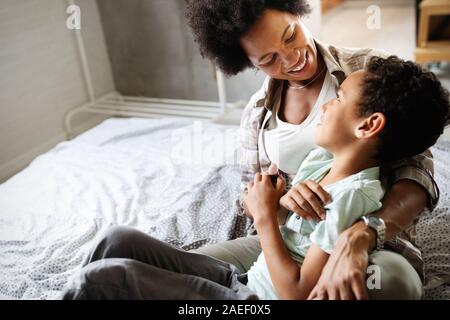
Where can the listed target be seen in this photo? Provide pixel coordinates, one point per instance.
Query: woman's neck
(296, 105)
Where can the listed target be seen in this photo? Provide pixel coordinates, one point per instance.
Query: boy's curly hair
(218, 25)
(415, 105)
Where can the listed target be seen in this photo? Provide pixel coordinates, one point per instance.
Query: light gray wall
(41, 76)
(153, 53)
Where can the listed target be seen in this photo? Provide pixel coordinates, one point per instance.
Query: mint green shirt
(351, 198)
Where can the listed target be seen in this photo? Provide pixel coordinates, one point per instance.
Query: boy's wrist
(264, 219)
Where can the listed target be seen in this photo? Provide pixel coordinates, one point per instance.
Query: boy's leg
(118, 278)
(130, 243)
(240, 252)
(398, 279)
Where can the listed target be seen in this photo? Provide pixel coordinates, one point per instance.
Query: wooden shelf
(435, 51)
(428, 50)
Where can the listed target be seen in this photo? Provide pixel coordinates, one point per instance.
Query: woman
(276, 128)
(303, 73)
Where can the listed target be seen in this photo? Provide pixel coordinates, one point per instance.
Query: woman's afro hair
(218, 25)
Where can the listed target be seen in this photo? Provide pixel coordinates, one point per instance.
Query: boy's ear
(370, 126)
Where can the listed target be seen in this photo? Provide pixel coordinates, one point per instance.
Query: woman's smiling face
(281, 46)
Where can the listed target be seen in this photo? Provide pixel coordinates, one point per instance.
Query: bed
(177, 180)
(174, 179)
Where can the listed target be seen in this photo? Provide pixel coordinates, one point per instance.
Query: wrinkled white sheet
(177, 180)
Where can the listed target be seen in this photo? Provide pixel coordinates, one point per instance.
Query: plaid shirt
(340, 63)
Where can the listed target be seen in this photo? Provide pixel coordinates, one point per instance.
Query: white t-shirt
(287, 145)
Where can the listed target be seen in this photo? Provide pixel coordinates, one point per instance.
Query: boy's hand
(263, 197)
(307, 199)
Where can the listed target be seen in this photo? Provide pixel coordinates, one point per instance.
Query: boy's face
(336, 128)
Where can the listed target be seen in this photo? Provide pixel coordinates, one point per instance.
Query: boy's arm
(284, 271)
(262, 202)
(291, 281)
(312, 267)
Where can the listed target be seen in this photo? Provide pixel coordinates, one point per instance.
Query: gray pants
(129, 264)
(399, 280)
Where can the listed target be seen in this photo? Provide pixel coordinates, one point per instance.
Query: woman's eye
(271, 60)
(291, 38)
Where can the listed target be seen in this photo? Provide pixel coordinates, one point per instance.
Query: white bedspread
(174, 179)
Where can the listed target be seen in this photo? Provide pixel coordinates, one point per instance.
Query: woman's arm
(401, 206)
(345, 271)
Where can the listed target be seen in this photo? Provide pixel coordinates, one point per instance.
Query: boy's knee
(115, 242)
(118, 234)
(397, 278)
(98, 280)
(119, 239)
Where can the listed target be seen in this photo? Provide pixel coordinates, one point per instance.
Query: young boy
(389, 111)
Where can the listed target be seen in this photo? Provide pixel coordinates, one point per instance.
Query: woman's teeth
(302, 65)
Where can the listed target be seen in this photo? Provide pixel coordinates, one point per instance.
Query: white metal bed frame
(115, 104)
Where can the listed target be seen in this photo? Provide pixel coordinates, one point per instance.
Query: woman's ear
(371, 126)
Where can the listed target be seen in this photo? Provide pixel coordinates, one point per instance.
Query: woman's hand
(345, 272)
(343, 277)
(263, 197)
(307, 199)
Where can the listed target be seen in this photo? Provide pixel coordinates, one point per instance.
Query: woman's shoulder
(357, 58)
(255, 109)
(348, 58)
(261, 93)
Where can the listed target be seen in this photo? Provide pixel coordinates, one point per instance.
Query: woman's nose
(289, 58)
